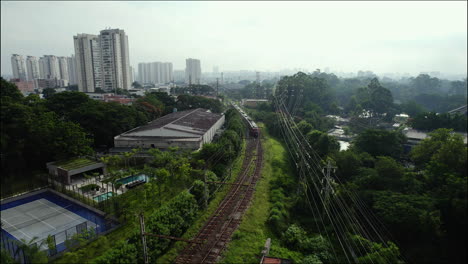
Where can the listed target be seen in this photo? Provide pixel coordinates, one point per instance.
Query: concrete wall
(208, 136)
(157, 143)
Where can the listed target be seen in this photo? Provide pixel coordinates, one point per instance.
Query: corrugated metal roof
(189, 123)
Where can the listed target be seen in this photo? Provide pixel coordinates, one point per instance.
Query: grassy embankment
(249, 240)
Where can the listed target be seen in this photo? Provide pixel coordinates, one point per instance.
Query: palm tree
(32, 252)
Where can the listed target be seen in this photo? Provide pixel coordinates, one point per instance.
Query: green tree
(412, 108)
(136, 85)
(304, 127)
(32, 251)
(9, 92)
(48, 92)
(378, 253)
(5, 257)
(380, 142)
(322, 143)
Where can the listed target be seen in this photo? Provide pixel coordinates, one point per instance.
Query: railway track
(217, 231)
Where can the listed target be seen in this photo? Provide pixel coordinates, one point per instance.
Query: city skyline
(378, 36)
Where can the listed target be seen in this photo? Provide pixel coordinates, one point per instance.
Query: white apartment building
(192, 71)
(166, 72)
(42, 66)
(155, 72)
(63, 66)
(88, 62)
(49, 67)
(19, 67)
(115, 60)
(132, 75)
(71, 63)
(32, 65)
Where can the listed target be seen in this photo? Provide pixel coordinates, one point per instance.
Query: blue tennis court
(48, 213)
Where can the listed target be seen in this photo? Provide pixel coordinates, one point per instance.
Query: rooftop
(183, 124)
(74, 163)
(413, 134)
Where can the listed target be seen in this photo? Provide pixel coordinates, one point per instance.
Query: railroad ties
(217, 231)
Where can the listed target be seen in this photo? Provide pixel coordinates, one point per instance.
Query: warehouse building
(188, 129)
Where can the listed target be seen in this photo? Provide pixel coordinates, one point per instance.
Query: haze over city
(405, 37)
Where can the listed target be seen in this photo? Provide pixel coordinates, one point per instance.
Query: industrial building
(188, 129)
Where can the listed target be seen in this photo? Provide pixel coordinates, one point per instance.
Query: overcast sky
(393, 36)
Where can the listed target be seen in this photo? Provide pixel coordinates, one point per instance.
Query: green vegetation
(168, 208)
(89, 187)
(204, 215)
(423, 207)
(430, 121)
(35, 131)
(185, 102)
(74, 163)
(256, 226)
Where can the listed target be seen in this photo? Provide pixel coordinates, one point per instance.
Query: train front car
(254, 130)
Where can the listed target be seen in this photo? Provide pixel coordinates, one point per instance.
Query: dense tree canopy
(32, 135)
(430, 121)
(381, 142)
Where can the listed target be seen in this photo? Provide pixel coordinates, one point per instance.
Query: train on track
(254, 130)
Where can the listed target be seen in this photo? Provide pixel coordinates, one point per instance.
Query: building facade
(63, 67)
(49, 67)
(18, 66)
(88, 62)
(32, 66)
(115, 60)
(25, 87)
(71, 63)
(155, 72)
(179, 76)
(192, 71)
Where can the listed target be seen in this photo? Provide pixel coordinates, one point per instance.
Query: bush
(90, 187)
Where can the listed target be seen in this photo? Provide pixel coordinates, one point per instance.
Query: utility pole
(206, 190)
(143, 238)
(217, 87)
(328, 180)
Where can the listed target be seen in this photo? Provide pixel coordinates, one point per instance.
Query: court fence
(26, 251)
(104, 202)
(61, 242)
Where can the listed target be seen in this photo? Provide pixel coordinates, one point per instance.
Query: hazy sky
(392, 36)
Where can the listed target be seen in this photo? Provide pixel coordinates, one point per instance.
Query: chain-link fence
(25, 251)
(53, 244)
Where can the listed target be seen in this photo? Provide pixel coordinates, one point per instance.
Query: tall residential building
(32, 65)
(166, 72)
(141, 72)
(63, 66)
(42, 67)
(19, 67)
(72, 70)
(115, 60)
(88, 62)
(155, 72)
(192, 71)
(179, 76)
(49, 67)
(132, 75)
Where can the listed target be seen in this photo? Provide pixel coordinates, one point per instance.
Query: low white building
(188, 129)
